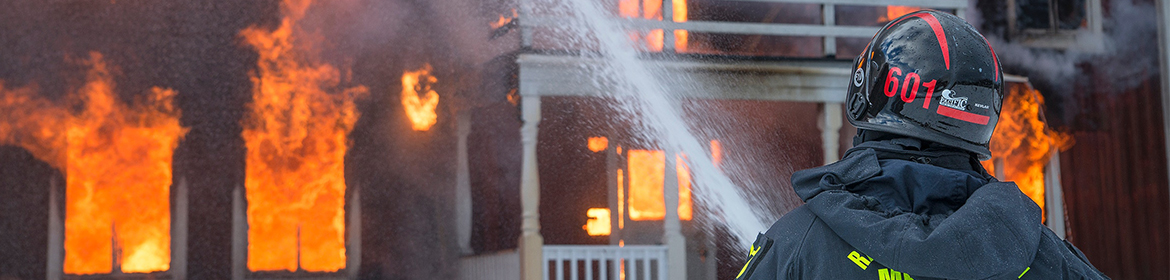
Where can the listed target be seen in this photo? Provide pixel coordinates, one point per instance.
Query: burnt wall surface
(494, 155)
(406, 177)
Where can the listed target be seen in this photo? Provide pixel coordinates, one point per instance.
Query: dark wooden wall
(1115, 181)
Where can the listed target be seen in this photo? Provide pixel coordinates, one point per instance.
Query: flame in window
(117, 162)
(1024, 141)
(652, 9)
(420, 109)
(684, 188)
(647, 173)
(296, 138)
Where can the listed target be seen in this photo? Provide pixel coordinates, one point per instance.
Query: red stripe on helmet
(994, 58)
(963, 116)
(938, 33)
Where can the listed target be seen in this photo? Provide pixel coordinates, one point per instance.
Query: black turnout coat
(894, 209)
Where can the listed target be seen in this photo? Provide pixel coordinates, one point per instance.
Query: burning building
(460, 140)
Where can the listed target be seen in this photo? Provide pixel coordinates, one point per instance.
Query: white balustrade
(605, 262)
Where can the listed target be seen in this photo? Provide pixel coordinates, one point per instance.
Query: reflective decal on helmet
(949, 100)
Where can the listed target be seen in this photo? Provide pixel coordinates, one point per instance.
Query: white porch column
(462, 185)
(676, 254)
(353, 234)
(1054, 195)
(56, 258)
(239, 234)
(531, 243)
(179, 231)
(830, 125)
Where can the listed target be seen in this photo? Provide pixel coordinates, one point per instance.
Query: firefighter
(910, 200)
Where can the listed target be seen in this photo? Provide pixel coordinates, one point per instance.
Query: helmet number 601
(908, 92)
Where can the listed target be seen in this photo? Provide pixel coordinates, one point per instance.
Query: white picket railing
(604, 262)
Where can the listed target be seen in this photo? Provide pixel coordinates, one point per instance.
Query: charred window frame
(1051, 15)
(1056, 24)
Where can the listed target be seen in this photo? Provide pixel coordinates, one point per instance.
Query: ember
(296, 139)
(117, 161)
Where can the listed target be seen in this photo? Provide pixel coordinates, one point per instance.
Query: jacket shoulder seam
(803, 239)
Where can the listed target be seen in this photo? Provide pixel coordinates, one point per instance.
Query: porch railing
(604, 262)
(827, 29)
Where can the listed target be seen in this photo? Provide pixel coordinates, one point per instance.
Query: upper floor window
(1057, 24)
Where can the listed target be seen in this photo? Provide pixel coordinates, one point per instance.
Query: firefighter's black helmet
(928, 75)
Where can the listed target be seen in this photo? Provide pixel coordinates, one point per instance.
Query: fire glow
(1024, 142)
(647, 173)
(652, 9)
(893, 12)
(503, 20)
(597, 144)
(598, 223)
(296, 138)
(420, 109)
(117, 161)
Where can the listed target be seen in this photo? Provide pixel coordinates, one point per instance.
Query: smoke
(1131, 52)
(1122, 54)
(437, 28)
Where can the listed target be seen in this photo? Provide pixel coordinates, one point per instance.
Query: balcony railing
(828, 29)
(604, 262)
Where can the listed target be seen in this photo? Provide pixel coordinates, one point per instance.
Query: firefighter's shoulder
(773, 253)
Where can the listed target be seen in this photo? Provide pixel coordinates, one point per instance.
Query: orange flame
(503, 20)
(621, 181)
(646, 179)
(684, 188)
(652, 9)
(893, 12)
(680, 15)
(647, 173)
(420, 110)
(597, 144)
(598, 223)
(117, 161)
(295, 134)
(1024, 141)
